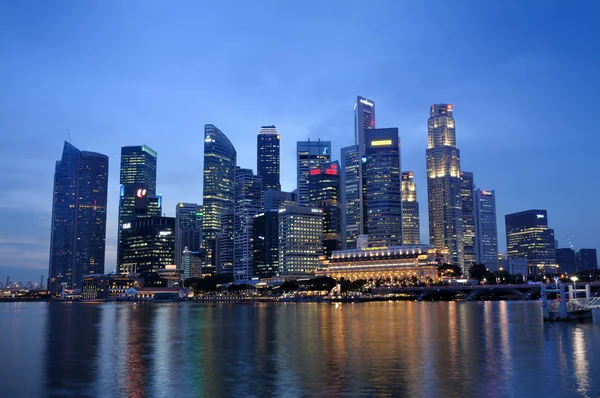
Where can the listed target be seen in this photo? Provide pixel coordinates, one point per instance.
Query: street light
(574, 279)
(556, 279)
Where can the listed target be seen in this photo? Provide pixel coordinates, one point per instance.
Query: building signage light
(366, 102)
(539, 216)
(164, 233)
(381, 142)
(141, 193)
(126, 225)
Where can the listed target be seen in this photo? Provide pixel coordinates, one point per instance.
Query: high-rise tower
(382, 202)
(325, 195)
(444, 184)
(467, 193)
(248, 203)
(310, 154)
(78, 234)
(486, 238)
(188, 229)
(267, 157)
(411, 230)
(218, 198)
(138, 181)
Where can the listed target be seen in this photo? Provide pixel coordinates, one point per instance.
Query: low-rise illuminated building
(300, 240)
(420, 261)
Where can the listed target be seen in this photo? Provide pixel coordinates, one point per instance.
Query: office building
(138, 180)
(566, 261)
(486, 239)
(324, 193)
(351, 196)
(413, 263)
(218, 198)
(444, 185)
(382, 201)
(587, 260)
(300, 240)
(267, 157)
(467, 194)
(148, 246)
(528, 236)
(310, 154)
(188, 219)
(273, 200)
(364, 119)
(78, 232)
(192, 264)
(248, 203)
(411, 229)
(266, 244)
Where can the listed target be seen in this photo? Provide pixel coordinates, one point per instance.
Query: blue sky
(523, 80)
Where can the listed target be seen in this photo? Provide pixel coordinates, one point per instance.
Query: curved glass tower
(218, 198)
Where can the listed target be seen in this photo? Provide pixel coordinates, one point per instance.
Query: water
(411, 349)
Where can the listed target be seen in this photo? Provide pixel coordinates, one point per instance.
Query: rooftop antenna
(69, 133)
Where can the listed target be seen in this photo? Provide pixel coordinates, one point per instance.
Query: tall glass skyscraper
(467, 194)
(528, 236)
(411, 229)
(382, 187)
(351, 194)
(78, 234)
(266, 244)
(248, 204)
(444, 185)
(188, 224)
(486, 242)
(324, 184)
(267, 157)
(364, 119)
(138, 180)
(218, 198)
(310, 154)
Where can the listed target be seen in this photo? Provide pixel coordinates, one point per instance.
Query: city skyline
(26, 246)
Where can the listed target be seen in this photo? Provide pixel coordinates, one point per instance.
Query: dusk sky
(523, 78)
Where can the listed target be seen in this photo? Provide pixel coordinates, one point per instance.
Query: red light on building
(315, 172)
(331, 172)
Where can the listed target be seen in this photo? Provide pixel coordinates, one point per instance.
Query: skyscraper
(351, 196)
(266, 244)
(78, 234)
(411, 230)
(486, 238)
(273, 200)
(528, 236)
(467, 194)
(267, 157)
(382, 201)
(364, 119)
(138, 179)
(310, 154)
(300, 240)
(188, 222)
(444, 184)
(566, 260)
(148, 246)
(248, 203)
(324, 184)
(218, 198)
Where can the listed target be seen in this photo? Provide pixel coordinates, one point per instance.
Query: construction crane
(570, 243)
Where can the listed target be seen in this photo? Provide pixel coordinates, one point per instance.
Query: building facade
(419, 263)
(138, 180)
(148, 246)
(566, 260)
(248, 203)
(382, 201)
(351, 195)
(78, 231)
(188, 219)
(486, 238)
(444, 185)
(587, 260)
(300, 240)
(528, 236)
(266, 244)
(273, 200)
(192, 264)
(467, 194)
(310, 154)
(267, 157)
(218, 199)
(411, 229)
(324, 185)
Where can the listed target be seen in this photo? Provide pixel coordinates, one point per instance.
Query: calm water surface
(412, 349)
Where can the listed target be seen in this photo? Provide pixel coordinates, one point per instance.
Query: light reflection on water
(412, 349)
